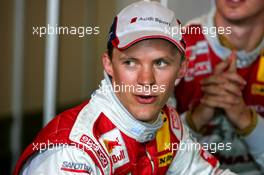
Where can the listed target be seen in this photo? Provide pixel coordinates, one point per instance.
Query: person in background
(221, 98)
(126, 130)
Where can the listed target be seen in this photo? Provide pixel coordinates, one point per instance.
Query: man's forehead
(154, 41)
(157, 44)
(147, 52)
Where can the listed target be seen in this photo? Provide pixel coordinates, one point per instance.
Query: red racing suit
(205, 52)
(102, 137)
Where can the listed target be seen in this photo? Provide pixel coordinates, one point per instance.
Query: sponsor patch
(208, 157)
(153, 19)
(165, 159)
(199, 63)
(116, 147)
(189, 75)
(76, 167)
(201, 48)
(111, 144)
(98, 151)
(190, 53)
(174, 118)
(175, 123)
(202, 68)
(257, 89)
(260, 74)
(196, 69)
(163, 134)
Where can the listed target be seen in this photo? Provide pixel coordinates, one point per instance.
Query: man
(125, 128)
(224, 86)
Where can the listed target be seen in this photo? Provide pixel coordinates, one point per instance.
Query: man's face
(239, 10)
(147, 71)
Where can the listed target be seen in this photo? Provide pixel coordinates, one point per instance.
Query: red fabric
(188, 93)
(58, 130)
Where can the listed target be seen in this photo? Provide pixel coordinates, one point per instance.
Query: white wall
(186, 10)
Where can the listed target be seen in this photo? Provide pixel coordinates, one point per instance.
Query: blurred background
(42, 76)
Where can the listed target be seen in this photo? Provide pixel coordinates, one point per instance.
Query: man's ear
(107, 63)
(183, 68)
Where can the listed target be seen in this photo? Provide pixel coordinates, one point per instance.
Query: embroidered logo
(257, 89)
(93, 146)
(115, 145)
(133, 20)
(111, 144)
(76, 167)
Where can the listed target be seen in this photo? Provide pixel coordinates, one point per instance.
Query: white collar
(107, 101)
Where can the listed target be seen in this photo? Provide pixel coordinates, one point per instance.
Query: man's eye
(161, 63)
(129, 63)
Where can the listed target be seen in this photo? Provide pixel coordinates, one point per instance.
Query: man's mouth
(146, 99)
(234, 3)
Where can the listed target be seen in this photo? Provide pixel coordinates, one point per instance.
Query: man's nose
(146, 76)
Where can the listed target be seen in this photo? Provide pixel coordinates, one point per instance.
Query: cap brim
(131, 38)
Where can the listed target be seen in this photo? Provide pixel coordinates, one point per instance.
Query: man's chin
(147, 120)
(146, 117)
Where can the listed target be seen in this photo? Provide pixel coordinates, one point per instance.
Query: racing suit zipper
(151, 162)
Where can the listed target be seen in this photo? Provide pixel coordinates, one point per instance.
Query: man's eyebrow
(165, 58)
(125, 57)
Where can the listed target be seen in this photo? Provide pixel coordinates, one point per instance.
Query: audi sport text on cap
(143, 20)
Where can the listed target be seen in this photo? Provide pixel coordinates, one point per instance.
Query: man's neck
(245, 35)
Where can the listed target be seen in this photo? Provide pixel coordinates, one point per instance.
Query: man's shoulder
(61, 160)
(54, 135)
(62, 123)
